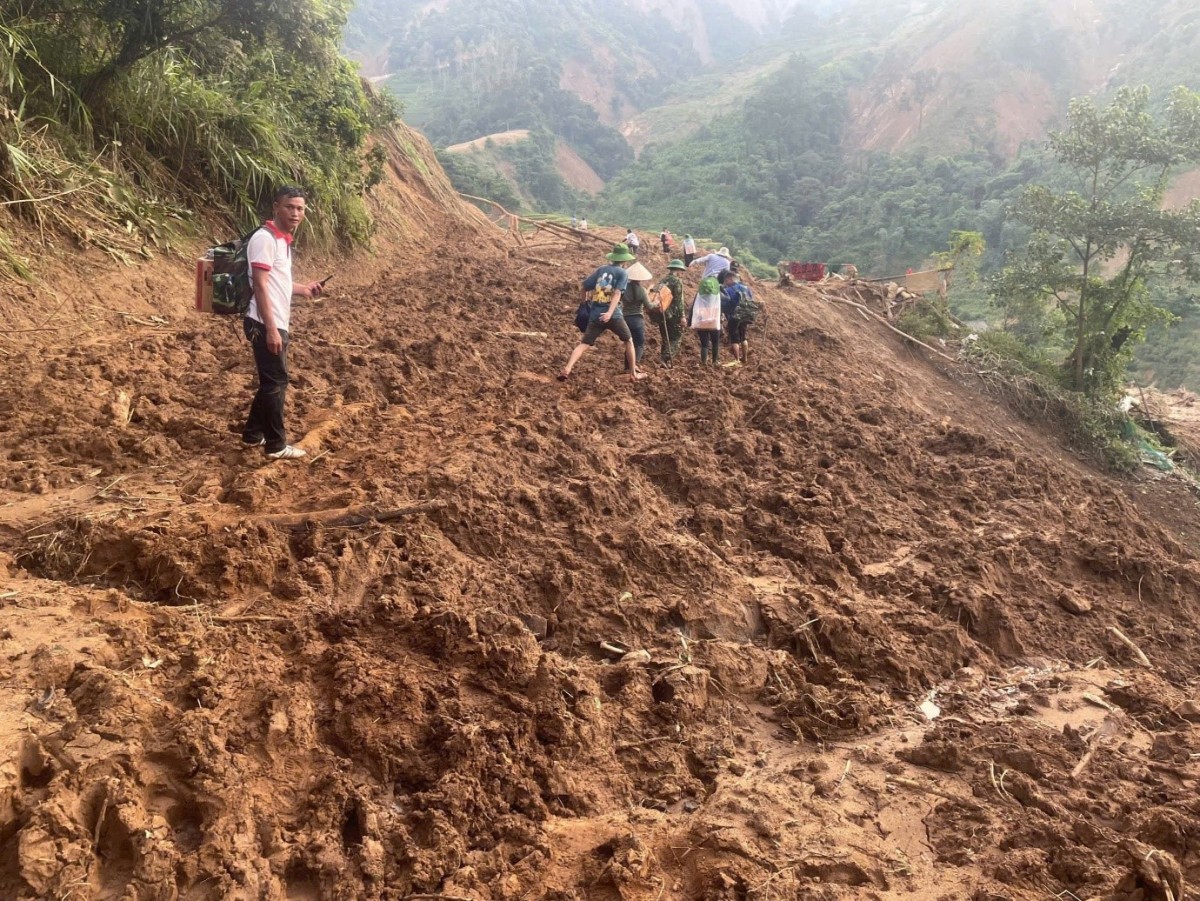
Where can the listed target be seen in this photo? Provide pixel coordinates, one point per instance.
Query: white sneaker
(288, 453)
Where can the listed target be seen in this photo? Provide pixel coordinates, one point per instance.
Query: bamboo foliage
(118, 118)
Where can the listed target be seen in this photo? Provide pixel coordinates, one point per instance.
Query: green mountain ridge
(576, 70)
(940, 114)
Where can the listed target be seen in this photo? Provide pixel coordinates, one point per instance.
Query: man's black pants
(266, 411)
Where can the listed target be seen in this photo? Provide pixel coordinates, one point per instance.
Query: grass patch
(1030, 386)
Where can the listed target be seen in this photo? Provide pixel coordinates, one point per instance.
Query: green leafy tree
(960, 260)
(109, 38)
(206, 101)
(1097, 244)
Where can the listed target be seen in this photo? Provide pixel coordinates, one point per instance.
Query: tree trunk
(1081, 321)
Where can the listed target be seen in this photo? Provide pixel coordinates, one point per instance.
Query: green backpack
(232, 286)
(747, 309)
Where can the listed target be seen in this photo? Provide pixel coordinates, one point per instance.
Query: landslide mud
(818, 553)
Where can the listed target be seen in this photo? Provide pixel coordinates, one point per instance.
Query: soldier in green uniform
(672, 322)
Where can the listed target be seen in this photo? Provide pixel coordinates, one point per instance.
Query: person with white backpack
(706, 319)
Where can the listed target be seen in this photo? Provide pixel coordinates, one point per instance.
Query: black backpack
(231, 282)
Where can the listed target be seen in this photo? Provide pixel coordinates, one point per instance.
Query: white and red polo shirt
(270, 251)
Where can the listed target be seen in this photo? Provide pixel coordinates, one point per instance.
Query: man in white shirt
(714, 263)
(689, 250)
(269, 252)
(633, 242)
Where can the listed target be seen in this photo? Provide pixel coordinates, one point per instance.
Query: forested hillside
(118, 120)
(785, 185)
(473, 69)
(571, 70)
(870, 136)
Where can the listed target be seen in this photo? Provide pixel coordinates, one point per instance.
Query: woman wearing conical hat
(634, 305)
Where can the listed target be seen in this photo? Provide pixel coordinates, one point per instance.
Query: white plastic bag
(706, 312)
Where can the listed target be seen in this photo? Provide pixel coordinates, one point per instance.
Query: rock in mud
(1189, 710)
(1073, 603)
(535, 624)
(935, 754)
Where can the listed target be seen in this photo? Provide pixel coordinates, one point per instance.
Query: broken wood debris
(1133, 648)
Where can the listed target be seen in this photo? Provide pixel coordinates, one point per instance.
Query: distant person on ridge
(602, 292)
(668, 243)
(714, 263)
(634, 242)
(689, 250)
(583, 224)
(267, 321)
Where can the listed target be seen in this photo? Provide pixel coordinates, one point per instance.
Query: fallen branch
(629, 745)
(1099, 702)
(918, 786)
(553, 228)
(1108, 729)
(1084, 761)
(21, 200)
(350, 516)
(153, 321)
(869, 312)
(534, 259)
(1134, 649)
(523, 334)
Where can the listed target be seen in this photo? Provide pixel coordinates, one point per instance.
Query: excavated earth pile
(885, 640)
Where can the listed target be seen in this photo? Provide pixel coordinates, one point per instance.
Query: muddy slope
(218, 683)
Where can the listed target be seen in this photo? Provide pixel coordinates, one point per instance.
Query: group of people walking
(615, 298)
(669, 247)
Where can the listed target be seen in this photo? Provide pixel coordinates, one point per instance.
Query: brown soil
(1185, 189)
(500, 139)
(818, 553)
(575, 170)
(593, 80)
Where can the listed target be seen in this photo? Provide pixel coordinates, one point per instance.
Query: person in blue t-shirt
(602, 292)
(733, 295)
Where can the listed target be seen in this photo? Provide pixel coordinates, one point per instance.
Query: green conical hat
(620, 254)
